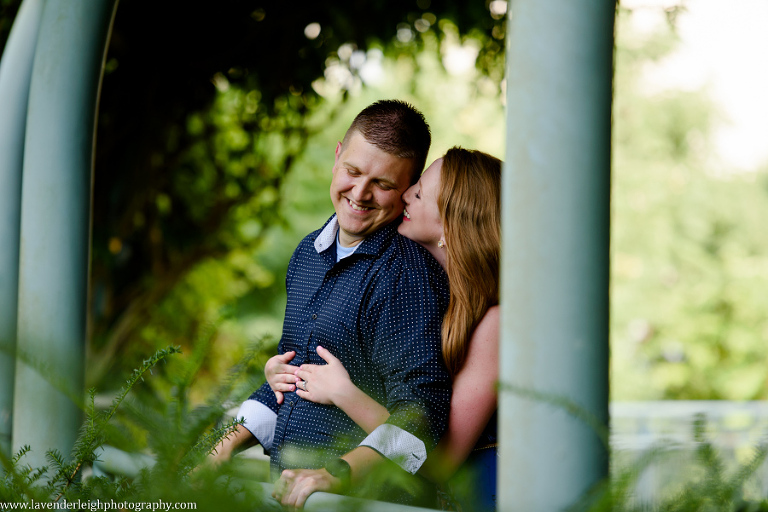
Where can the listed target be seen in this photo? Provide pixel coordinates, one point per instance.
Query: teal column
(15, 75)
(56, 223)
(556, 208)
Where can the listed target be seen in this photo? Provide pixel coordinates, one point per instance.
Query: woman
(454, 213)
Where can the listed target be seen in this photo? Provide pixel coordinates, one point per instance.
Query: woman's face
(421, 218)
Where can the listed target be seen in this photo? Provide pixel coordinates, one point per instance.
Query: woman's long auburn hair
(469, 202)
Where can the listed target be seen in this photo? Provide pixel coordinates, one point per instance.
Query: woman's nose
(408, 194)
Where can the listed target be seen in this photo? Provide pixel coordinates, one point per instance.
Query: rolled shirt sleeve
(260, 421)
(260, 415)
(403, 448)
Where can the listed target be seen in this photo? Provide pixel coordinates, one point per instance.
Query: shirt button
(314, 316)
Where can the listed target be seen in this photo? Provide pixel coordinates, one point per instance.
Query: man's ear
(338, 152)
(336, 158)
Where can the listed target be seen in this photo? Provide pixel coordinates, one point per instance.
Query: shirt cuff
(401, 447)
(260, 421)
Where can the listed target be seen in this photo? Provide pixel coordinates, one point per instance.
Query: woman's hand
(280, 374)
(323, 383)
(330, 384)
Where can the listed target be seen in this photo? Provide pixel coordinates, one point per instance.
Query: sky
(723, 48)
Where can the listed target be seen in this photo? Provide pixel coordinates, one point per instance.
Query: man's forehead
(399, 168)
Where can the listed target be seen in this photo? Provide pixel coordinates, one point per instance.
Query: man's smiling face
(366, 188)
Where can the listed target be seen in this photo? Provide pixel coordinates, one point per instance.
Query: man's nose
(362, 191)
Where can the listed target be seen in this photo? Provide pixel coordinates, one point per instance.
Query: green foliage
(695, 478)
(707, 484)
(177, 435)
(701, 485)
(688, 256)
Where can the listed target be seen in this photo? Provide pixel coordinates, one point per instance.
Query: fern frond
(92, 435)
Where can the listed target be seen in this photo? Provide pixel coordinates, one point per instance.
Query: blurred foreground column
(556, 192)
(55, 224)
(15, 75)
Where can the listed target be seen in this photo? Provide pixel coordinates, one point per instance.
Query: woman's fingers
(284, 387)
(288, 356)
(326, 355)
(282, 383)
(284, 368)
(302, 374)
(287, 377)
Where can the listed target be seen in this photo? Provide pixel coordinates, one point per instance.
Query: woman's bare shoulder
(488, 327)
(491, 317)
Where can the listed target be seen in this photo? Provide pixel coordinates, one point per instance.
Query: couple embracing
(389, 350)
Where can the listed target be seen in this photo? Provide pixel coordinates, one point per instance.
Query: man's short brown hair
(397, 128)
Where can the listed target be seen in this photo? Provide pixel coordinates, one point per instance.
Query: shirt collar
(327, 236)
(373, 244)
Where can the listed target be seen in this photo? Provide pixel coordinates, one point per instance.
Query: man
(375, 300)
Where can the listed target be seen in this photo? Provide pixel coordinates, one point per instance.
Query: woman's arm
(330, 384)
(473, 402)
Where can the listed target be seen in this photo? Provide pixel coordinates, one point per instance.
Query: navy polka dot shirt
(379, 311)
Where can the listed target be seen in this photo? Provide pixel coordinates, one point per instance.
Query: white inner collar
(327, 235)
(330, 234)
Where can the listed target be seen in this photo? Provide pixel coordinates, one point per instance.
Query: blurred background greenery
(216, 134)
(689, 258)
